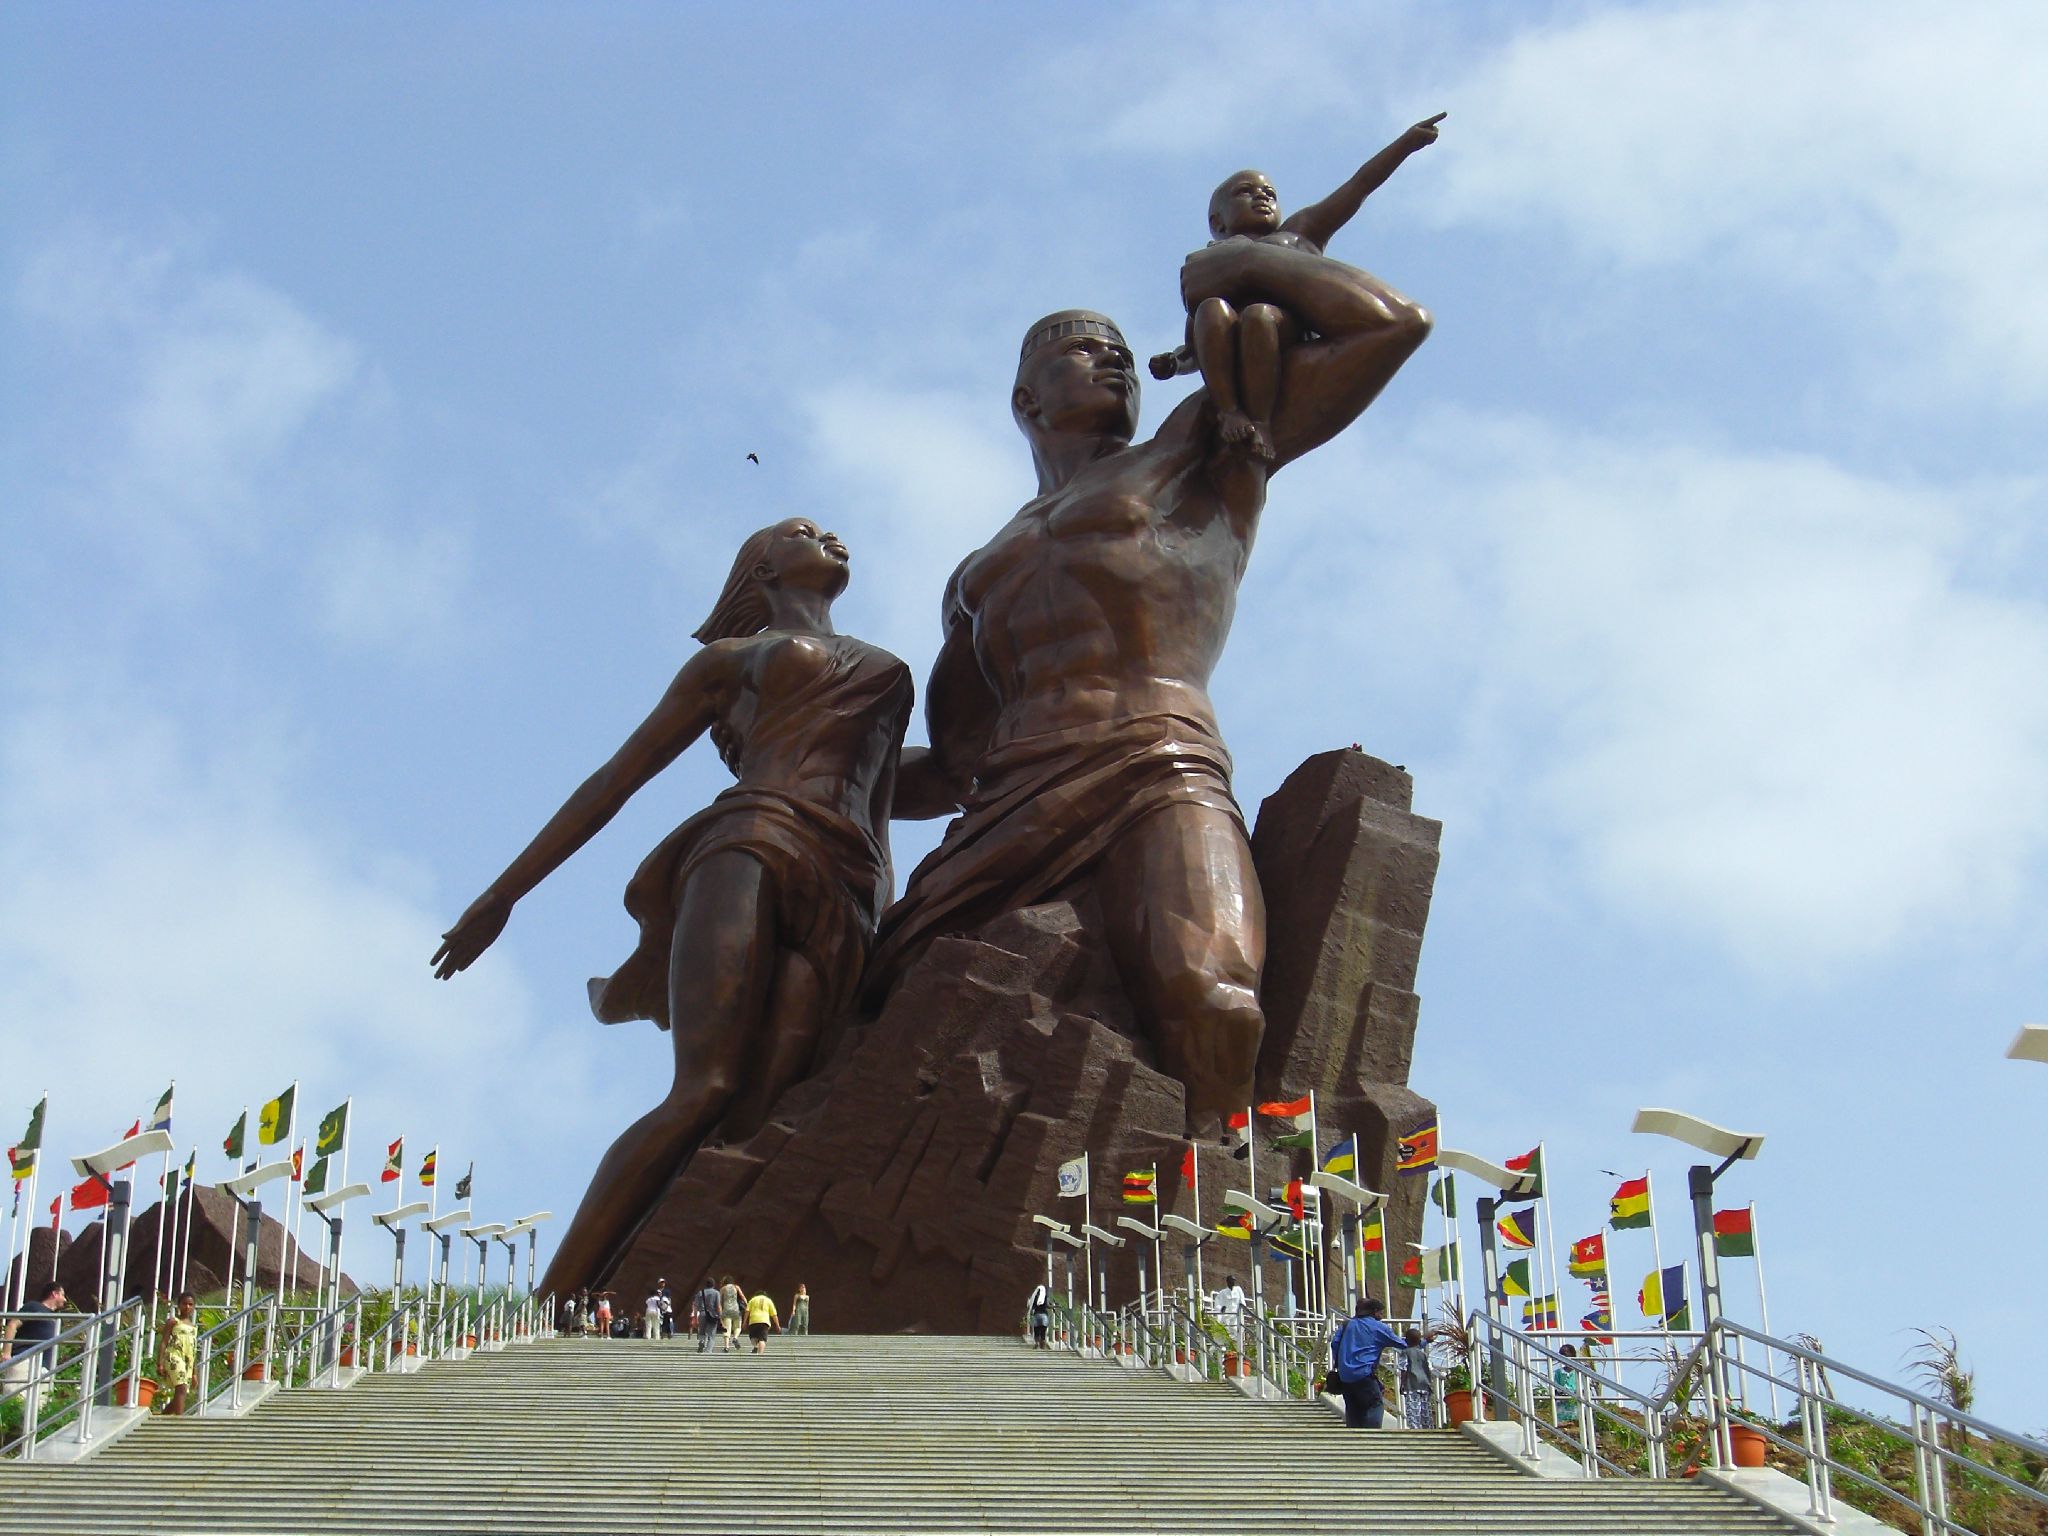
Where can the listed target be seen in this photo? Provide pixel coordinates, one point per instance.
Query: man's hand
(1422, 135)
(474, 932)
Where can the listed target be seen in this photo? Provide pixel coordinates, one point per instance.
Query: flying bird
(753, 458)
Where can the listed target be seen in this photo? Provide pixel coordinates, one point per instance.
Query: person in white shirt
(651, 1323)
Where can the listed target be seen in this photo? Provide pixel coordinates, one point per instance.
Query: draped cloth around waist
(830, 876)
(1043, 810)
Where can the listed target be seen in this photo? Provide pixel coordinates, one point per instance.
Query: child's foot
(1239, 431)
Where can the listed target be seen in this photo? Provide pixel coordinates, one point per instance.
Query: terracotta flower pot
(412, 1349)
(145, 1391)
(348, 1357)
(1746, 1442)
(254, 1371)
(1458, 1405)
(1233, 1363)
(469, 1341)
(1180, 1355)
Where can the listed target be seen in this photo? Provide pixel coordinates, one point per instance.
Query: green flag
(333, 1131)
(1443, 1194)
(275, 1123)
(236, 1137)
(32, 1138)
(1294, 1141)
(316, 1177)
(1514, 1280)
(171, 1186)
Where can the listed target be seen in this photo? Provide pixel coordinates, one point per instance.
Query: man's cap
(1069, 322)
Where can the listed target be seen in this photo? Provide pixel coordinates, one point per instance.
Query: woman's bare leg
(782, 1053)
(721, 970)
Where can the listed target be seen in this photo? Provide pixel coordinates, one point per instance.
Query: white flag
(1074, 1177)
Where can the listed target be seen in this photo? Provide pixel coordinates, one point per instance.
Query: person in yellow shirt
(760, 1319)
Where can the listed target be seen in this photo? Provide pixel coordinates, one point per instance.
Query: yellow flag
(275, 1123)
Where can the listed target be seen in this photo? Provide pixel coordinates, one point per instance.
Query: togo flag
(275, 1123)
(1074, 1178)
(333, 1131)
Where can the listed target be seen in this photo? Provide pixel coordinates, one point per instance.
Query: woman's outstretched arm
(684, 713)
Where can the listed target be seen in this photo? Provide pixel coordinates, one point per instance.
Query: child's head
(1570, 1353)
(1245, 204)
(1414, 1337)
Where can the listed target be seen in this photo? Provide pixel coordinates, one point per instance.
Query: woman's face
(805, 556)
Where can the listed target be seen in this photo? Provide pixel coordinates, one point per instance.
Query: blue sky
(377, 387)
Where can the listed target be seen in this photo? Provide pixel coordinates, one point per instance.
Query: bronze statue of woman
(757, 914)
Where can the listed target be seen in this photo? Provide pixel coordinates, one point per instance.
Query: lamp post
(393, 1221)
(1191, 1257)
(1062, 1235)
(1362, 1200)
(443, 1230)
(1730, 1147)
(114, 1229)
(528, 1224)
(1151, 1234)
(1096, 1234)
(1053, 1229)
(1508, 1186)
(328, 1208)
(244, 1190)
(482, 1236)
(2030, 1044)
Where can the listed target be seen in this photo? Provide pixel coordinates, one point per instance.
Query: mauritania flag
(1514, 1280)
(233, 1143)
(160, 1117)
(1138, 1187)
(1629, 1206)
(1518, 1228)
(275, 1123)
(394, 1163)
(1074, 1178)
(333, 1131)
(1735, 1233)
(1589, 1256)
(427, 1166)
(1531, 1164)
(316, 1177)
(1662, 1297)
(1416, 1152)
(1297, 1120)
(1343, 1157)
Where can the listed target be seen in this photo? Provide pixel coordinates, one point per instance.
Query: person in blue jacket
(1355, 1363)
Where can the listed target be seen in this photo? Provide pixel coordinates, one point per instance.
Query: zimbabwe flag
(1138, 1188)
(1629, 1206)
(1416, 1152)
(1735, 1233)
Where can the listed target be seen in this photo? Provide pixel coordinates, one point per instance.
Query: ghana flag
(1416, 1152)
(1518, 1228)
(1629, 1206)
(1138, 1188)
(1735, 1233)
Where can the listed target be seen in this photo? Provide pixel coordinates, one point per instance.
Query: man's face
(1084, 384)
(1246, 204)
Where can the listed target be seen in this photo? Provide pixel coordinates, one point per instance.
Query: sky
(376, 386)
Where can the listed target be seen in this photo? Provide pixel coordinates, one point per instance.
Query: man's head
(1075, 374)
(1369, 1306)
(53, 1296)
(1245, 204)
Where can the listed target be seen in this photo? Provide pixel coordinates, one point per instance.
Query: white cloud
(1764, 700)
(385, 591)
(1884, 157)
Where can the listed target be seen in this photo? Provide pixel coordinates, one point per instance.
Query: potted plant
(1450, 1344)
(1746, 1443)
(145, 1391)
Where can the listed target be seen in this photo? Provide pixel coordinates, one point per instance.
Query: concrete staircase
(889, 1434)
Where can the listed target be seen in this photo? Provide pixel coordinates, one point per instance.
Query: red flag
(1240, 1121)
(1285, 1110)
(298, 1163)
(1295, 1202)
(133, 1130)
(56, 1213)
(92, 1194)
(1187, 1167)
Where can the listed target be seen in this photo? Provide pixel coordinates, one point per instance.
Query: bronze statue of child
(1237, 348)
(757, 914)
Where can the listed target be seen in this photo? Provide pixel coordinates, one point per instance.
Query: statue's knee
(1214, 315)
(1262, 317)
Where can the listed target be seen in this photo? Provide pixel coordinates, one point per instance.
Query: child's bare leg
(1215, 326)
(1258, 367)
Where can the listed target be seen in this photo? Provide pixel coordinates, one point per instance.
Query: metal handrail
(90, 1359)
(1516, 1348)
(331, 1326)
(240, 1323)
(401, 1327)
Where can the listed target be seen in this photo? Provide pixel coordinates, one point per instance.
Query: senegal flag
(1138, 1188)
(274, 1124)
(1589, 1256)
(1416, 1152)
(1343, 1157)
(1514, 1280)
(333, 1131)
(1629, 1206)
(1735, 1233)
(237, 1137)
(1518, 1228)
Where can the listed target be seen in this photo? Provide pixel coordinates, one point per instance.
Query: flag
(1416, 1152)
(1236, 1222)
(1734, 1235)
(462, 1184)
(1290, 1109)
(394, 1163)
(274, 1124)
(1662, 1297)
(1443, 1194)
(32, 1138)
(333, 1131)
(1629, 1206)
(191, 1165)
(1600, 1324)
(1074, 1178)
(1589, 1256)
(21, 1162)
(1138, 1188)
(56, 1206)
(1303, 1140)
(1242, 1124)
(1530, 1163)
(1432, 1266)
(298, 1163)
(1343, 1157)
(160, 1117)
(1514, 1280)
(1187, 1167)
(1290, 1244)
(427, 1168)
(1297, 1203)
(1518, 1228)
(1540, 1312)
(1374, 1236)
(133, 1131)
(316, 1178)
(235, 1138)
(90, 1195)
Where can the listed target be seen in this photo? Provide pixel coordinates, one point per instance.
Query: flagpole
(1088, 1220)
(1656, 1251)
(1312, 1269)
(166, 1240)
(18, 1289)
(1764, 1307)
(1195, 1166)
(235, 1223)
(13, 1225)
(1549, 1227)
(185, 1226)
(1251, 1179)
(294, 1212)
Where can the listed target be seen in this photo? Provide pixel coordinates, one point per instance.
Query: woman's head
(795, 554)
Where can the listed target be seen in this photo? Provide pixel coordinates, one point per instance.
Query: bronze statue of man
(1069, 711)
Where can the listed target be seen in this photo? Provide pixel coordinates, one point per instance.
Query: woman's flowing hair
(742, 607)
